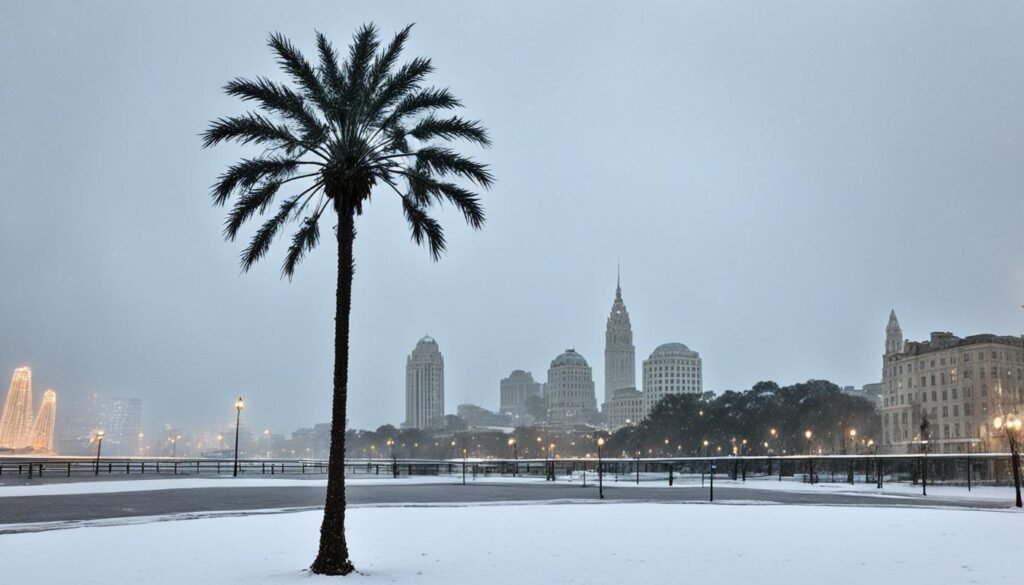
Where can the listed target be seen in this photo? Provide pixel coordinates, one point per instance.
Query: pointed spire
(618, 280)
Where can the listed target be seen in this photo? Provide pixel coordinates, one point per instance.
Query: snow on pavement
(592, 544)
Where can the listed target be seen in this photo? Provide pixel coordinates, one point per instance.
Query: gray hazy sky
(775, 176)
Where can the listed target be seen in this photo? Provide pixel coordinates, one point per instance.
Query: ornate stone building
(619, 352)
(625, 408)
(672, 368)
(570, 389)
(957, 384)
(424, 385)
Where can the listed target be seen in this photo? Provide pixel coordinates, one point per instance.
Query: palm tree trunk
(332, 559)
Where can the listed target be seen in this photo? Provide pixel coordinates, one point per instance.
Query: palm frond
(252, 128)
(401, 83)
(256, 199)
(304, 240)
(260, 243)
(248, 172)
(445, 161)
(387, 58)
(292, 61)
(450, 129)
(329, 70)
(280, 99)
(424, 228)
(423, 188)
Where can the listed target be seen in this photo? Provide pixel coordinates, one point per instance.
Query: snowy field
(591, 544)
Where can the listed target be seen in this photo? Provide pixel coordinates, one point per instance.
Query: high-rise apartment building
(424, 385)
(122, 426)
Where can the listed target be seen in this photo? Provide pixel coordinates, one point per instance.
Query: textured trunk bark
(332, 558)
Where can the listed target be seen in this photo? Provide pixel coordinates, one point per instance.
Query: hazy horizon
(774, 178)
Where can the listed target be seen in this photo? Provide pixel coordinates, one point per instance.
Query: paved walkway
(79, 507)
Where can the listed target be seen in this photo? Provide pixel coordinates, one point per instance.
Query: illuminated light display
(42, 431)
(16, 420)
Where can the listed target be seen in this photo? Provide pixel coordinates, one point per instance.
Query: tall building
(619, 352)
(42, 430)
(16, 420)
(515, 389)
(122, 425)
(424, 385)
(570, 389)
(672, 368)
(959, 385)
(893, 335)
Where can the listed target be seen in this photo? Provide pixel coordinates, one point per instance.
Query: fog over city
(772, 185)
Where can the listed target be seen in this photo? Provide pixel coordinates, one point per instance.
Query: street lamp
(600, 473)
(702, 467)
(1011, 426)
(391, 451)
(810, 462)
(239, 405)
(99, 447)
(515, 454)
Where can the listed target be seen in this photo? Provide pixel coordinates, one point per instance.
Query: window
(956, 430)
(945, 411)
(954, 393)
(967, 409)
(956, 410)
(945, 395)
(934, 396)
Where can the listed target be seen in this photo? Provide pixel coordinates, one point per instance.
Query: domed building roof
(569, 358)
(667, 349)
(427, 340)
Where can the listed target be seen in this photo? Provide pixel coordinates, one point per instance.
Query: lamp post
(600, 472)
(515, 455)
(774, 442)
(703, 467)
(1012, 426)
(394, 462)
(463, 466)
(853, 441)
(99, 448)
(810, 462)
(239, 405)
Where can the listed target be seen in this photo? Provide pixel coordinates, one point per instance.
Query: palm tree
(340, 129)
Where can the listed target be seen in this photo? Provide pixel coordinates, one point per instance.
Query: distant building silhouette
(515, 390)
(424, 385)
(122, 425)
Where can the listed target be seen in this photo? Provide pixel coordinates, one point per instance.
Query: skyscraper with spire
(893, 335)
(619, 351)
(16, 420)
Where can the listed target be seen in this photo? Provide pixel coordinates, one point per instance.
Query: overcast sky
(775, 177)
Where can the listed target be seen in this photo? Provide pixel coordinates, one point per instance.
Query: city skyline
(765, 200)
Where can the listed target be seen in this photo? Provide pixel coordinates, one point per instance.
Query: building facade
(958, 385)
(625, 408)
(424, 385)
(16, 419)
(672, 368)
(570, 389)
(515, 390)
(619, 351)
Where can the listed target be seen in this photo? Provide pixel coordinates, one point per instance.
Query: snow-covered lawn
(591, 544)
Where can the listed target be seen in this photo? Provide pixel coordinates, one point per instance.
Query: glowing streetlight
(600, 473)
(239, 405)
(515, 454)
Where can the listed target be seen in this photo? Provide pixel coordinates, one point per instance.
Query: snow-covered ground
(592, 544)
